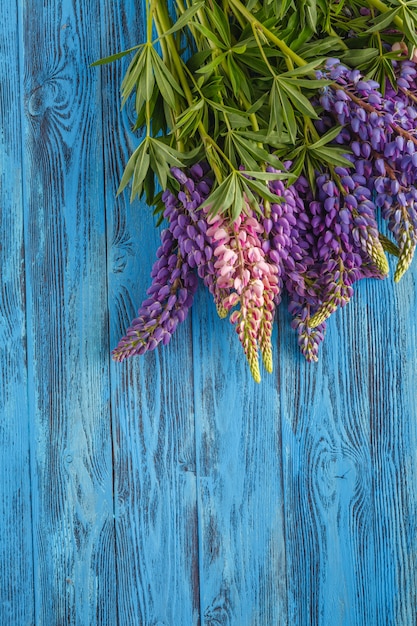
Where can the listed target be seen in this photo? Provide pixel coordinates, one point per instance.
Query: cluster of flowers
(315, 244)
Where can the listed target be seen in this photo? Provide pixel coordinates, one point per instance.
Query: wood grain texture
(241, 500)
(152, 397)
(68, 352)
(16, 559)
(350, 510)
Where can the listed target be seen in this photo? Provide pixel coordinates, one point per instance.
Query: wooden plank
(16, 558)
(393, 419)
(350, 507)
(243, 560)
(67, 300)
(328, 483)
(152, 396)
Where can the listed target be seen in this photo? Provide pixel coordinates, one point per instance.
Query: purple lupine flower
(169, 298)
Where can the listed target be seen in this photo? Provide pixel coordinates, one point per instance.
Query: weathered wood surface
(16, 563)
(172, 490)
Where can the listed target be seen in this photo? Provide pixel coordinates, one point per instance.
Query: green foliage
(243, 89)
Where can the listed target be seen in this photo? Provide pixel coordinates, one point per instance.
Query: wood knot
(120, 257)
(41, 99)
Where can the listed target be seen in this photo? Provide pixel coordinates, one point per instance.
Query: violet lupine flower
(188, 223)
(309, 339)
(381, 133)
(170, 297)
(300, 271)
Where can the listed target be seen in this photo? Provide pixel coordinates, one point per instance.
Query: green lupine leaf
(238, 201)
(383, 20)
(262, 189)
(210, 35)
(319, 48)
(272, 139)
(210, 67)
(159, 165)
(311, 172)
(304, 69)
(141, 171)
(327, 137)
(288, 116)
(245, 155)
(139, 155)
(409, 23)
(259, 153)
(298, 99)
(285, 5)
(333, 156)
(166, 72)
(150, 78)
(274, 109)
(359, 57)
(197, 60)
(149, 188)
(172, 156)
(266, 176)
(311, 13)
(219, 20)
(189, 120)
(308, 83)
(220, 200)
(240, 119)
(184, 19)
(133, 74)
(116, 57)
(163, 85)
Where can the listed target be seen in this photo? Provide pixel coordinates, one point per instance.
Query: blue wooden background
(172, 490)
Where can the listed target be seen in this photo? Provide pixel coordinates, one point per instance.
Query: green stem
(383, 8)
(300, 62)
(166, 58)
(164, 21)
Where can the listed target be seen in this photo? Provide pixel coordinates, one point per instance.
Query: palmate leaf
(286, 113)
(133, 74)
(223, 197)
(237, 78)
(299, 101)
(409, 24)
(137, 167)
(359, 58)
(166, 82)
(209, 68)
(383, 20)
(188, 122)
(257, 153)
(219, 21)
(330, 155)
(329, 45)
(261, 136)
(282, 115)
(238, 152)
(210, 35)
(262, 190)
(327, 137)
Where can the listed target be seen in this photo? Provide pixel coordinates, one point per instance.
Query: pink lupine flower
(249, 281)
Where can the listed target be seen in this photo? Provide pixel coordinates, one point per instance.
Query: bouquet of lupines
(279, 148)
